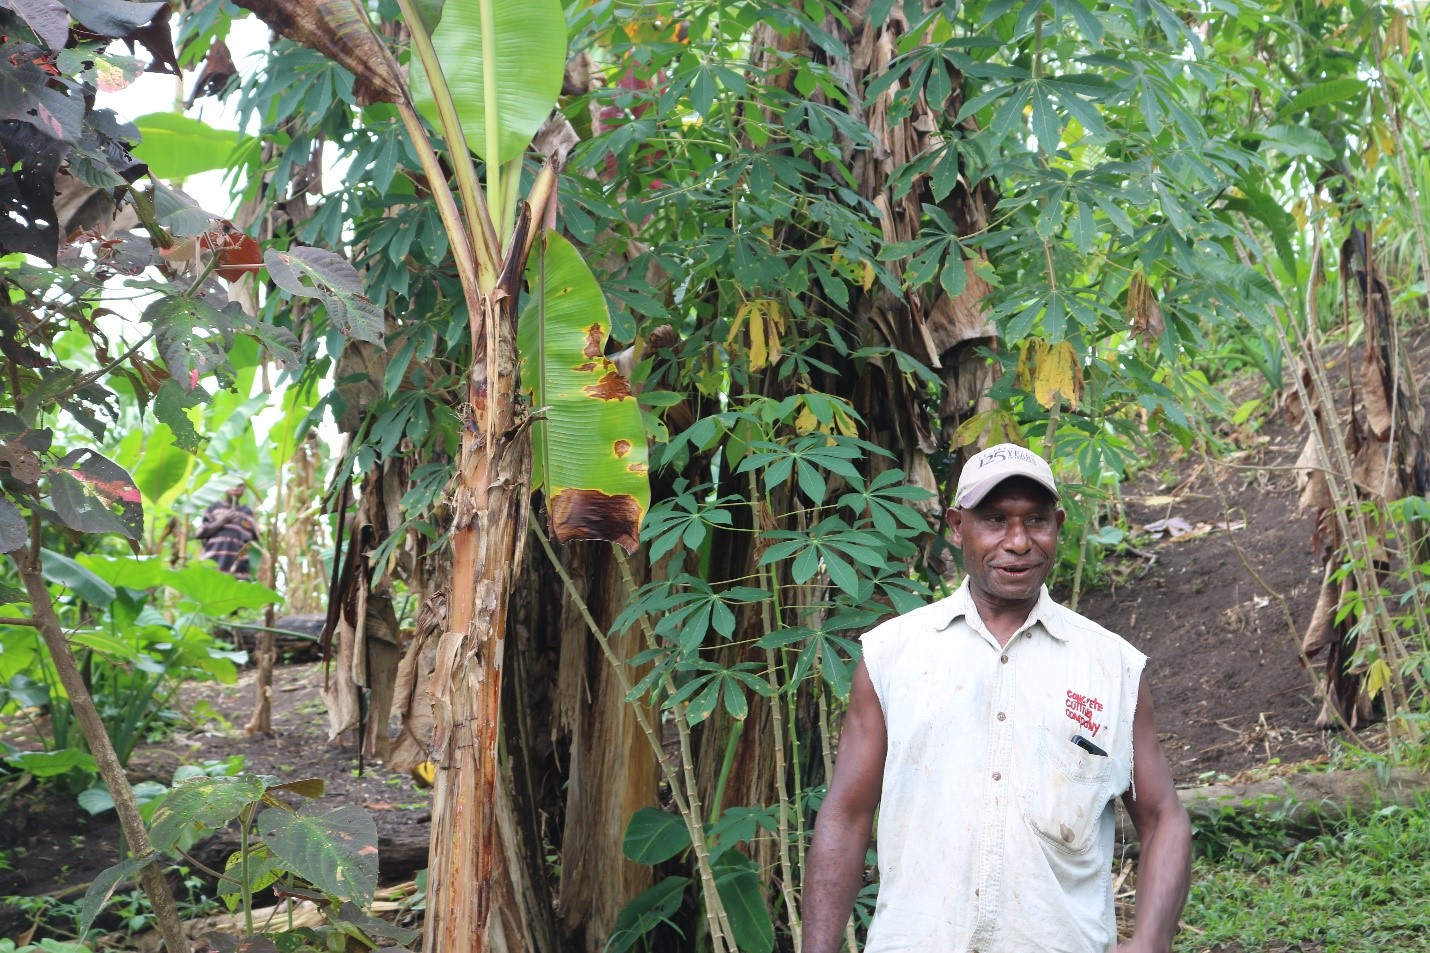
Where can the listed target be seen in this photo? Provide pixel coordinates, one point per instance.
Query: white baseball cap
(991, 467)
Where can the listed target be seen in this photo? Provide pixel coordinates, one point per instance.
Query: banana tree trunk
(489, 527)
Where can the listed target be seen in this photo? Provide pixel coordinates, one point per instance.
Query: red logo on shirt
(1082, 709)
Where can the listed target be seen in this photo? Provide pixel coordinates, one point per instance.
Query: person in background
(227, 529)
(993, 731)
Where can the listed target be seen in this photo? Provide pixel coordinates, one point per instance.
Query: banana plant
(512, 56)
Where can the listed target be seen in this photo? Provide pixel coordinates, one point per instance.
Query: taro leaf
(93, 494)
(737, 880)
(177, 146)
(49, 20)
(63, 571)
(588, 439)
(117, 18)
(14, 534)
(333, 848)
(329, 277)
(646, 911)
(217, 593)
(103, 886)
(654, 836)
(23, 690)
(171, 405)
(29, 161)
(163, 465)
(52, 764)
(206, 803)
(531, 60)
(179, 213)
(340, 32)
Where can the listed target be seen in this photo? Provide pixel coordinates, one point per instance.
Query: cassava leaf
(654, 836)
(338, 30)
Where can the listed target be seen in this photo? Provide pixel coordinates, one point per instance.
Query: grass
(1360, 888)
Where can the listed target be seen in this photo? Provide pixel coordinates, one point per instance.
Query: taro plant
(289, 842)
(140, 630)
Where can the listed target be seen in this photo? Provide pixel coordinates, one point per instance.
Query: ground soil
(1224, 664)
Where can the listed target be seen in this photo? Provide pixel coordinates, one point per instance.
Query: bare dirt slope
(1224, 664)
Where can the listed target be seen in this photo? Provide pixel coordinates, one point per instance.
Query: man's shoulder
(1077, 623)
(933, 615)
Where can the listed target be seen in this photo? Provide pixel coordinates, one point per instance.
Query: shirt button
(1004, 660)
(997, 776)
(1002, 716)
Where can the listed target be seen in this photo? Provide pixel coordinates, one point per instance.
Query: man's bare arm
(835, 865)
(1164, 870)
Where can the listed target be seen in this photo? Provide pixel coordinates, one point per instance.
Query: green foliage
(308, 847)
(141, 630)
(1358, 887)
(1157, 173)
(175, 146)
(587, 434)
(529, 47)
(654, 836)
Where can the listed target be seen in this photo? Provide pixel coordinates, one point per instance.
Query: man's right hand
(834, 869)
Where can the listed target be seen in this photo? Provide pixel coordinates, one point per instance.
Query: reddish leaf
(238, 253)
(93, 494)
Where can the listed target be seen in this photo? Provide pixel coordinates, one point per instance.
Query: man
(227, 529)
(993, 730)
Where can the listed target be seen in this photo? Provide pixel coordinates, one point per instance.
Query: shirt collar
(960, 606)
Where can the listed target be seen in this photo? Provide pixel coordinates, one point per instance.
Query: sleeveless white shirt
(995, 830)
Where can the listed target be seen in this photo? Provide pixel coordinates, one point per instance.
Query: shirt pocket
(1064, 792)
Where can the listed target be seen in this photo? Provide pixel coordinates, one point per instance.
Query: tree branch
(166, 914)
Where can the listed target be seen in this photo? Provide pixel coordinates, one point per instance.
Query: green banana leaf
(588, 439)
(177, 146)
(530, 61)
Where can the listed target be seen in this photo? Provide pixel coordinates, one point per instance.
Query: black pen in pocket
(1088, 746)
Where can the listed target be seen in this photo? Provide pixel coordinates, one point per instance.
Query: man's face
(1009, 540)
